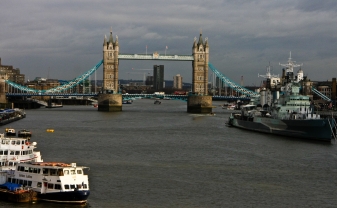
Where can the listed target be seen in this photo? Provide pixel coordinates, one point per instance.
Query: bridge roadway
(125, 96)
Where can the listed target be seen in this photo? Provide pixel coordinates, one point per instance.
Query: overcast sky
(63, 39)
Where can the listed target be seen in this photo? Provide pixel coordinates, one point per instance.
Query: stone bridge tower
(109, 99)
(199, 101)
(200, 66)
(110, 64)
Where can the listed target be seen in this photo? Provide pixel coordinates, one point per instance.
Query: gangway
(320, 94)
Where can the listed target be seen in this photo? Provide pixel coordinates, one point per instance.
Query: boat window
(25, 183)
(72, 172)
(52, 172)
(50, 186)
(84, 186)
(18, 142)
(31, 169)
(9, 179)
(58, 186)
(22, 141)
(66, 172)
(29, 183)
(20, 181)
(10, 164)
(11, 153)
(26, 169)
(79, 172)
(60, 172)
(6, 152)
(22, 168)
(72, 186)
(45, 171)
(34, 170)
(17, 152)
(66, 186)
(13, 142)
(39, 184)
(1, 152)
(14, 180)
(3, 141)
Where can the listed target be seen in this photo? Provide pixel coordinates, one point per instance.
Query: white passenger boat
(53, 181)
(17, 150)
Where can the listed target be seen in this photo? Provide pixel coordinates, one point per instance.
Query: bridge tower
(199, 101)
(110, 99)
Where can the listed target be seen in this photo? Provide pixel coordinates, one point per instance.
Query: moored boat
(17, 150)
(24, 133)
(53, 181)
(286, 112)
(16, 193)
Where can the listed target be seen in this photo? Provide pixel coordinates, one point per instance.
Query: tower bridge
(110, 99)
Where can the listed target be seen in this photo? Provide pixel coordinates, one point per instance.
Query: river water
(161, 156)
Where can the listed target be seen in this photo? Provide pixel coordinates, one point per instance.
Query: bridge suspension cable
(232, 84)
(60, 88)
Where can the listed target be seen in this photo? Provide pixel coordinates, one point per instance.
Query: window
(29, 183)
(45, 171)
(52, 172)
(26, 169)
(72, 172)
(66, 172)
(31, 169)
(18, 142)
(39, 184)
(72, 186)
(50, 186)
(58, 186)
(79, 172)
(66, 186)
(17, 152)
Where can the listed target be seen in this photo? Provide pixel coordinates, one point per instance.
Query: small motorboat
(24, 133)
(157, 102)
(10, 132)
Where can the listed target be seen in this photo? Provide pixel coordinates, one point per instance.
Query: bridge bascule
(110, 99)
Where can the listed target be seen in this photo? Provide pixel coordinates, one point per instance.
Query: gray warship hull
(318, 129)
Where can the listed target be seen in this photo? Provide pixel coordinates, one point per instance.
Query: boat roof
(54, 164)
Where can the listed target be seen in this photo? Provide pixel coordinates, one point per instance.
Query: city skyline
(243, 36)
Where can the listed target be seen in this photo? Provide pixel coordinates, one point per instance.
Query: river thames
(161, 156)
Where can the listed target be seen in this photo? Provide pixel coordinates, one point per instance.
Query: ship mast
(268, 74)
(290, 65)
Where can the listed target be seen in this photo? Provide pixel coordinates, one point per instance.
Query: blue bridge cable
(232, 84)
(60, 88)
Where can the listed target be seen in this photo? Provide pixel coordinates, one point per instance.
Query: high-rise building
(178, 82)
(158, 77)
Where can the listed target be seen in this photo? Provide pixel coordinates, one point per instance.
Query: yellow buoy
(50, 130)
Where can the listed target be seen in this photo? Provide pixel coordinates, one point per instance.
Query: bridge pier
(110, 102)
(199, 104)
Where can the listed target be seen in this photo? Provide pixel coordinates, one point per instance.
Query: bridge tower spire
(200, 53)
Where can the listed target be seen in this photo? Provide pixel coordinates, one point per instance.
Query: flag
(146, 46)
(166, 47)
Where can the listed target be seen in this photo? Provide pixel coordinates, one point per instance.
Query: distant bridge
(125, 96)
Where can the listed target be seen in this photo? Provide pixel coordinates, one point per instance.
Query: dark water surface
(160, 156)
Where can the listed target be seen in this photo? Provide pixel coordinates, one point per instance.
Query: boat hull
(316, 129)
(71, 197)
